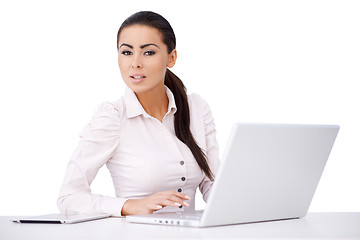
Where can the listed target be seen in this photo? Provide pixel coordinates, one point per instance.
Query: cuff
(113, 206)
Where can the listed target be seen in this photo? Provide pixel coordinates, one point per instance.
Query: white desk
(313, 226)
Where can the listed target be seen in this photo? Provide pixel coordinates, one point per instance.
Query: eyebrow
(141, 47)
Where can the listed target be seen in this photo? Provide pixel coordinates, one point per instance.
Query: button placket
(182, 164)
(182, 179)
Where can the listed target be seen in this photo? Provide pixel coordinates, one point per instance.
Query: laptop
(60, 218)
(268, 172)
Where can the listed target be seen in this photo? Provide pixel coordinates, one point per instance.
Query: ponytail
(182, 121)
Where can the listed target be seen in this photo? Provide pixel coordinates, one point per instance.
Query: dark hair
(182, 115)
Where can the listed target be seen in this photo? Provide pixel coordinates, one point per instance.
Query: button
(180, 206)
(179, 190)
(182, 162)
(183, 179)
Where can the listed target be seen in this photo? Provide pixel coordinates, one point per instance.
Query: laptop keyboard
(187, 215)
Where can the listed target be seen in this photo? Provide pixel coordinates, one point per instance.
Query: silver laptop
(268, 172)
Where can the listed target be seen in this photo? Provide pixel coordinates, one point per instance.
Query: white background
(253, 61)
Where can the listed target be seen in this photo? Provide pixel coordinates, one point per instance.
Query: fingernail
(187, 197)
(177, 204)
(158, 207)
(186, 204)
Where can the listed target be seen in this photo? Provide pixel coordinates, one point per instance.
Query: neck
(154, 102)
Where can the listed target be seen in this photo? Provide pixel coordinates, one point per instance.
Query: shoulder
(201, 111)
(108, 114)
(196, 100)
(114, 108)
(110, 109)
(198, 104)
(201, 118)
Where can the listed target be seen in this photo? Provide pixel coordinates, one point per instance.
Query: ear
(172, 59)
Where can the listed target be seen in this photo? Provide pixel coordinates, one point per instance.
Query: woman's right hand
(154, 203)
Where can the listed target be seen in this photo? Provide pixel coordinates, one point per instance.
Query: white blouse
(143, 156)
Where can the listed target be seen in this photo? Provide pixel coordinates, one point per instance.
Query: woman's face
(143, 58)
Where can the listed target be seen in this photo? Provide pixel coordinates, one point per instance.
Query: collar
(134, 108)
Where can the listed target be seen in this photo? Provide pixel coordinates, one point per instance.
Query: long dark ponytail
(182, 115)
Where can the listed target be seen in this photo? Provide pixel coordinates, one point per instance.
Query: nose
(136, 63)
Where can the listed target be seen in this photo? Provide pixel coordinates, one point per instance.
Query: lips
(137, 77)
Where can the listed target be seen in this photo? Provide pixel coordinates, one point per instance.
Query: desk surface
(313, 226)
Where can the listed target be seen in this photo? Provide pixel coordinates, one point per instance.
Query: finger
(180, 195)
(179, 198)
(177, 201)
(157, 207)
(171, 203)
(168, 198)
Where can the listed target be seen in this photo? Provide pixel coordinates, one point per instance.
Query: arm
(98, 143)
(212, 149)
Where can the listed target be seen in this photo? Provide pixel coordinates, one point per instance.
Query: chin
(138, 88)
(142, 87)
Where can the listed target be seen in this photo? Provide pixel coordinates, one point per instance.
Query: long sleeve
(98, 144)
(212, 149)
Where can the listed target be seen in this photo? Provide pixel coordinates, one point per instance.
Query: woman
(158, 143)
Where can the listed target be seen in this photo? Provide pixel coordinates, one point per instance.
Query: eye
(126, 53)
(149, 53)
